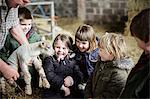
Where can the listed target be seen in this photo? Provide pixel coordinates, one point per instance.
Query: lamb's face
(46, 48)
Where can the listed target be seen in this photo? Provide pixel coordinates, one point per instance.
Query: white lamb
(26, 54)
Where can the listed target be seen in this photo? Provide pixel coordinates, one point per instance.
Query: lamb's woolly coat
(26, 54)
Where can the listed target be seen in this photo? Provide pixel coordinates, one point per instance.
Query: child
(11, 44)
(61, 71)
(138, 81)
(110, 74)
(86, 51)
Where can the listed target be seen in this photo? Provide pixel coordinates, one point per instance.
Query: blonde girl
(110, 74)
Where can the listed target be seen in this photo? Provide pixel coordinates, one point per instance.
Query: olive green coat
(11, 44)
(108, 79)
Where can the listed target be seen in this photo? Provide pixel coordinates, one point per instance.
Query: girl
(110, 74)
(61, 71)
(86, 50)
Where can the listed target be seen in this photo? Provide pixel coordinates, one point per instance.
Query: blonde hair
(86, 33)
(114, 44)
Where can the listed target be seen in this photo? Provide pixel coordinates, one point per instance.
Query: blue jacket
(87, 62)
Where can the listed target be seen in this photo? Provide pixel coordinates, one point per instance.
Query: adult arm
(7, 71)
(18, 34)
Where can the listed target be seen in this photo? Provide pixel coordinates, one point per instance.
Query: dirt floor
(69, 26)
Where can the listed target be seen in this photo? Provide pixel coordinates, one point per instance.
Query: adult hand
(8, 72)
(18, 34)
(68, 81)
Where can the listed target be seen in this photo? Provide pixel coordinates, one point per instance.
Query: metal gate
(43, 11)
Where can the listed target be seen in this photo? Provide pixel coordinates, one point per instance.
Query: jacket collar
(125, 63)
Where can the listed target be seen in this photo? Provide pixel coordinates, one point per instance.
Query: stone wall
(105, 11)
(101, 11)
(65, 8)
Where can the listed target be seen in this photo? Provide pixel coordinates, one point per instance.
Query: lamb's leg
(42, 79)
(27, 78)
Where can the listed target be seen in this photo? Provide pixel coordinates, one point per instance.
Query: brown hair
(24, 13)
(86, 33)
(140, 25)
(64, 38)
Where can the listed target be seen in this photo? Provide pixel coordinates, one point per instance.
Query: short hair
(24, 13)
(86, 33)
(140, 25)
(115, 44)
(64, 38)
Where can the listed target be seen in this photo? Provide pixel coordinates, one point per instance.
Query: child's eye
(64, 48)
(23, 24)
(84, 43)
(57, 47)
(77, 41)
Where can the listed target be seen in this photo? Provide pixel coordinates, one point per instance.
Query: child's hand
(60, 57)
(82, 86)
(66, 90)
(68, 81)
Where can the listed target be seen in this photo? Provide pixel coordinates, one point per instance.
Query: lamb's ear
(42, 44)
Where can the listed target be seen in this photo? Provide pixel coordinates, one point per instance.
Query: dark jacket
(108, 79)
(87, 62)
(56, 72)
(139, 79)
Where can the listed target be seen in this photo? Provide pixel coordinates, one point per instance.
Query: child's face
(61, 50)
(83, 46)
(104, 55)
(26, 25)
